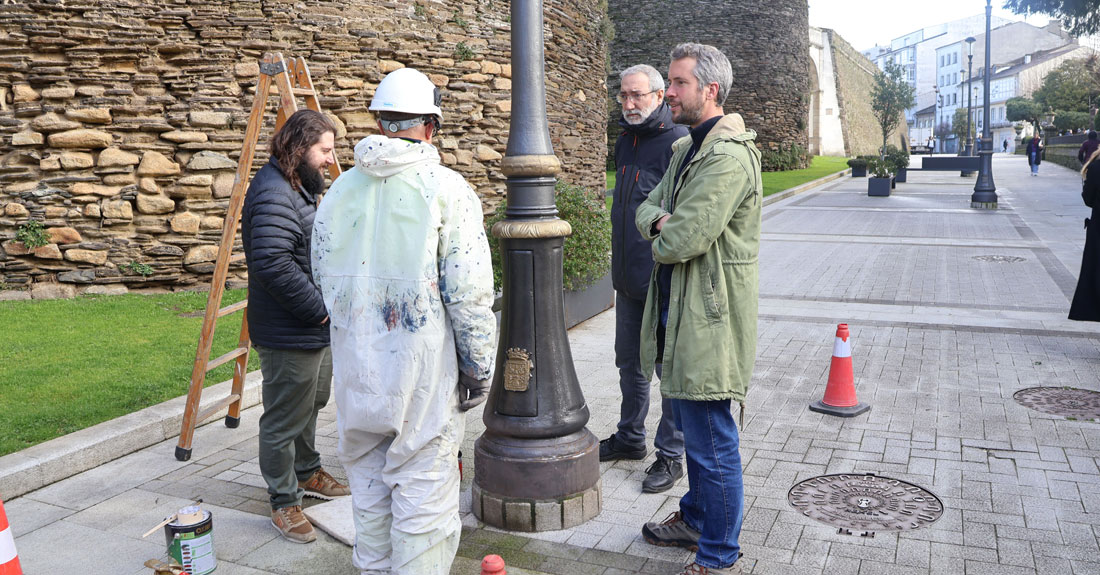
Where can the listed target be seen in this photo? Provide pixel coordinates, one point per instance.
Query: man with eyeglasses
(642, 153)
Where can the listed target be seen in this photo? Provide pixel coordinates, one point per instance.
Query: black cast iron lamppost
(969, 98)
(985, 192)
(537, 466)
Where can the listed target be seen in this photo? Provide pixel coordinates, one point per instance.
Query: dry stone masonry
(121, 121)
(766, 42)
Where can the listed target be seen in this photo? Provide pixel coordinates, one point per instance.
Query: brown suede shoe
(293, 525)
(324, 486)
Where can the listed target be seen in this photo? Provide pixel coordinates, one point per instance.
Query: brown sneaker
(293, 525)
(697, 569)
(672, 532)
(324, 486)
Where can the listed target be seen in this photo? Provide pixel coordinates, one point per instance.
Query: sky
(863, 23)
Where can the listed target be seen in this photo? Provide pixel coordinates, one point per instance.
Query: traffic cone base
(821, 407)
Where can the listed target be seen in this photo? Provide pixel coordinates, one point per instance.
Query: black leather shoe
(612, 449)
(662, 475)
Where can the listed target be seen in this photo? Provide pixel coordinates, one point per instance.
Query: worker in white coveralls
(401, 257)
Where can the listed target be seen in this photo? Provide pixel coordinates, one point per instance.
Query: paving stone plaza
(952, 311)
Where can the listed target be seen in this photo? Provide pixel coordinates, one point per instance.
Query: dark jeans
(715, 501)
(297, 384)
(635, 387)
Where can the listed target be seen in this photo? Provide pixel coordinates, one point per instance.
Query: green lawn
(69, 364)
(820, 166)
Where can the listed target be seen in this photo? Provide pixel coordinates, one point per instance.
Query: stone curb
(780, 196)
(51, 461)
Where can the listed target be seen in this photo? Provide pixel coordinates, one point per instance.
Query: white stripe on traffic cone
(9, 559)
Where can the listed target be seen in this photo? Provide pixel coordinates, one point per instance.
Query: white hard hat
(407, 91)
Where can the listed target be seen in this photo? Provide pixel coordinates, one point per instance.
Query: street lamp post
(537, 466)
(985, 192)
(969, 99)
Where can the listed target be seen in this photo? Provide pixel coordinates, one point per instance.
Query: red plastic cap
(842, 331)
(492, 565)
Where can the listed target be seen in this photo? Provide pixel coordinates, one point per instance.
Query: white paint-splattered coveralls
(400, 254)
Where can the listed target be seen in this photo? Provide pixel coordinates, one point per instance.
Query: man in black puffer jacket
(642, 154)
(287, 318)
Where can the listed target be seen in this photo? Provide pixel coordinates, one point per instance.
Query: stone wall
(121, 121)
(855, 78)
(766, 42)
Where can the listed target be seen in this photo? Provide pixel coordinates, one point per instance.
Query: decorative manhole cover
(865, 502)
(1000, 259)
(1065, 401)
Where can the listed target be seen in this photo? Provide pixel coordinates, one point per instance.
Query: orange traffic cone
(840, 393)
(9, 559)
(493, 565)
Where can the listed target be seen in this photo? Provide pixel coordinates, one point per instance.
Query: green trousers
(297, 384)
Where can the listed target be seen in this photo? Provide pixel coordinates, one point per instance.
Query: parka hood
(383, 157)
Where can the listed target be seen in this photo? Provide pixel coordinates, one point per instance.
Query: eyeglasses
(633, 96)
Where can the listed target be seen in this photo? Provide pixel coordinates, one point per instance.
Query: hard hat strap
(394, 126)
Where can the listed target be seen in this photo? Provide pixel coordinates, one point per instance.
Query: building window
(941, 60)
(955, 58)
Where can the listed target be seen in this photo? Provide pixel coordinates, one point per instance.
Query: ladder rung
(226, 358)
(233, 308)
(304, 92)
(216, 407)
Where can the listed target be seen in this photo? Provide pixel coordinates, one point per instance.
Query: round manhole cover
(1065, 401)
(1000, 259)
(865, 502)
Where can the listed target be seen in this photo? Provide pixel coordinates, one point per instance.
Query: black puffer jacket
(641, 158)
(285, 309)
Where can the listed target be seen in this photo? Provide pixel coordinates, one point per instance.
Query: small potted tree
(859, 167)
(878, 184)
(898, 161)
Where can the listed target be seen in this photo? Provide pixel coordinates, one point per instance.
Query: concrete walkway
(952, 311)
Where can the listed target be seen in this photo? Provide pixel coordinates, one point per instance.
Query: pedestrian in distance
(287, 319)
(1086, 298)
(1034, 155)
(642, 153)
(703, 220)
(1090, 145)
(401, 256)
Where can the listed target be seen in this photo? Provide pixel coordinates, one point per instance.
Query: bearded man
(703, 220)
(287, 318)
(642, 153)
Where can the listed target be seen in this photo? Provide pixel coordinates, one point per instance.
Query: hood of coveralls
(383, 157)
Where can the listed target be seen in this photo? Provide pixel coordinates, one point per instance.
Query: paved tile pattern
(940, 343)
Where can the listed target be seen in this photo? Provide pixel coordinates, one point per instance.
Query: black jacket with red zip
(642, 153)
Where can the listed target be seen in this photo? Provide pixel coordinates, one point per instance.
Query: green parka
(713, 240)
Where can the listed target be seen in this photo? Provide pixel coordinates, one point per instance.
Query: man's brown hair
(300, 132)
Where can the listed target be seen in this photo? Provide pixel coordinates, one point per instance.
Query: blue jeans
(1035, 168)
(715, 501)
(635, 386)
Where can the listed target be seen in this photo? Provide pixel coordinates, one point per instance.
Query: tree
(1069, 87)
(890, 96)
(1023, 110)
(958, 126)
(1080, 17)
(1070, 120)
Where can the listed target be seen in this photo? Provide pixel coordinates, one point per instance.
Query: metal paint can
(190, 540)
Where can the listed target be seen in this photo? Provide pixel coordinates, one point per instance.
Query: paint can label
(193, 545)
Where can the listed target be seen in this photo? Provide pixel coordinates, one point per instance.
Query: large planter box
(586, 303)
(859, 172)
(878, 186)
(900, 176)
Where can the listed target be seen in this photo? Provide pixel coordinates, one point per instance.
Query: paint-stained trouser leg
(406, 508)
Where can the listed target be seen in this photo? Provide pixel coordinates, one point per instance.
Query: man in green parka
(703, 220)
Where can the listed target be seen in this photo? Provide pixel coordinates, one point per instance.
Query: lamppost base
(983, 205)
(530, 485)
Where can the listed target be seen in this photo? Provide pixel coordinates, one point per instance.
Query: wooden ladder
(291, 78)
